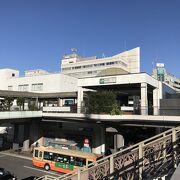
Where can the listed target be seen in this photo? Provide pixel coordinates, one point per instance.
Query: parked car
(6, 175)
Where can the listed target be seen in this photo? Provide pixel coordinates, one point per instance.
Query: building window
(23, 87)
(37, 87)
(77, 67)
(13, 75)
(10, 88)
(66, 69)
(87, 66)
(89, 72)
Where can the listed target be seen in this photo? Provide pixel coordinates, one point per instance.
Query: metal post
(140, 160)
(164, 145)
(79, 174)
(111, 165)
(174, 147)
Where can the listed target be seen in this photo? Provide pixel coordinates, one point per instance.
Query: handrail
(162, 137)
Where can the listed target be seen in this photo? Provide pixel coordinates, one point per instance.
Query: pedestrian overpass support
(154, 158)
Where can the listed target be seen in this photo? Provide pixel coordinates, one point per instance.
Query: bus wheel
(47, 167)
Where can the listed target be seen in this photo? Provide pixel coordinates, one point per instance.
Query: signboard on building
(158, 65)
(160, 73)
(107, 80)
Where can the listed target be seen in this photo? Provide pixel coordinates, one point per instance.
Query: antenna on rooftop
(124, 45)
(74, 50)
(103, 55)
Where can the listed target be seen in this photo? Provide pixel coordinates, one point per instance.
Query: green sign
(64, 166)
(107, 80)
(160, 73)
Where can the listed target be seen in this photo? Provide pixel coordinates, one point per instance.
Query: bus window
(72, 160)
(40, 154)
(61, 158)
(48, 156)
(36, 153)
(80, 162)
(90, 163)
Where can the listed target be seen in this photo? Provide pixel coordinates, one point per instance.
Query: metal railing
(153, 158)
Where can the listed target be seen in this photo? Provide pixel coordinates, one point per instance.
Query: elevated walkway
(154, 158)
(123, 119)
(19, 114)
(134, 120)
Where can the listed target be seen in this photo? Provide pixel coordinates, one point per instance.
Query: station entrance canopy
(137, 84)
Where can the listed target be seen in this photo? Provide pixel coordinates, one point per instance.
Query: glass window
(48, 156)
(36, 153)
(80, 162)
(40, 154)
(23, 87)
(37, 87)
(10, 88)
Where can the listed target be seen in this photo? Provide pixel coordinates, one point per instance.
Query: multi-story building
(161, 74)
(123, 63)
(61, 96)
(38, 81)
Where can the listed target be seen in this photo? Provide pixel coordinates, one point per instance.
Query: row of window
(95, 65)
(25, 87)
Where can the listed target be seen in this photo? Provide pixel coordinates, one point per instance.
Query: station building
(63, 94)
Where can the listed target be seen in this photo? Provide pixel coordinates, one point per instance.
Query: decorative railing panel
(150, 159)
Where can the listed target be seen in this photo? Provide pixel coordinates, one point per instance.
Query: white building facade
(40, 83)
(123, 63)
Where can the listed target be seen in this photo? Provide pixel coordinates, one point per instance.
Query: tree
(115, 110)
(8, 102)
(101, 102)
(20, 102)
(2, 105)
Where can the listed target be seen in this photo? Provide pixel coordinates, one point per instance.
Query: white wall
(5, 75)
(118, 79)
(51, 83)
(130, 58)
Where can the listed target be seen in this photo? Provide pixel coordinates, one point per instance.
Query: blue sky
(37, 33)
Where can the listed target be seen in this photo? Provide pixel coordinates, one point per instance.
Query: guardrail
(155, 157)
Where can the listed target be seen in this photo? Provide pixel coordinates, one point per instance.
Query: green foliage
(115, 110)
(8, 102)
(32, 106)
(2, 105)
(20, 102)
(100, 102)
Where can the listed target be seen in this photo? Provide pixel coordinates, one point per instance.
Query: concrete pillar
(15, 102)
(26, 145)
(118, 141)
(75, 101)
(155, 102)
(37, 103)
(144, 99)
(79, 100)
(16, 133)
(34, 131)
(26, 137)
(99, 141)
(60, 102)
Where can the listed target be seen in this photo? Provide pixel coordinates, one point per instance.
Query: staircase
(154, 158)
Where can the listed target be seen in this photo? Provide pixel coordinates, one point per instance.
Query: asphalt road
(22, 167)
